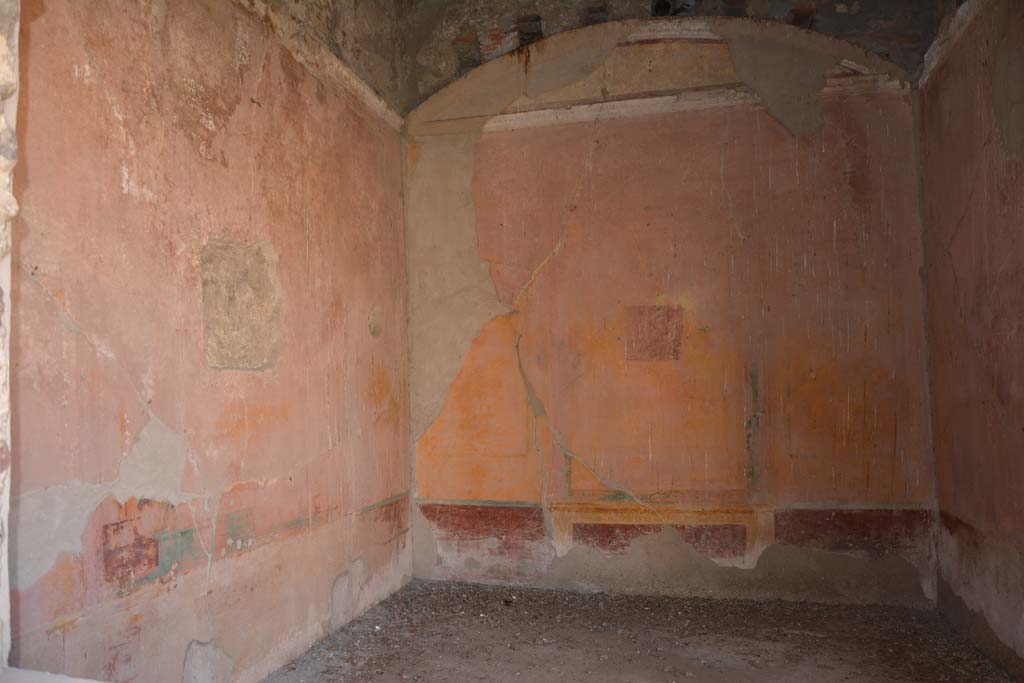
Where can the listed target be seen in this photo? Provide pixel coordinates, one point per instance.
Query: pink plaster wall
(972, 128)
(149, 129)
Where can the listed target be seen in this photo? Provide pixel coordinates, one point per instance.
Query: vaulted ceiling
(406, 50)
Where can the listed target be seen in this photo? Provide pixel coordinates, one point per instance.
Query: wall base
(973, 625)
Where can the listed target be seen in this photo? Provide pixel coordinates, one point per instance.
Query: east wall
(209, 347)
(972, 129)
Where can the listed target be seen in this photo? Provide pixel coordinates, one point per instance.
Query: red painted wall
(148, 130)
(972, 128)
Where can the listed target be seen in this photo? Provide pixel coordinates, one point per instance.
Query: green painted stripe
(382, 503)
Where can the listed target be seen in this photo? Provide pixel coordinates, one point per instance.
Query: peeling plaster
(152, 470)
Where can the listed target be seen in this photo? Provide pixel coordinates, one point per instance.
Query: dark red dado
(713, 540)
(874, 532)
(513, 525)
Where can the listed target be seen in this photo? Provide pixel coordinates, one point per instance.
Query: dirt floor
(447, 632)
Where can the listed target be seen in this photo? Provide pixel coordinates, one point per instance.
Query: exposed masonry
(241, 305)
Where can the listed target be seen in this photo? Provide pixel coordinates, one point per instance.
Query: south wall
(671, 347)
(210, 460)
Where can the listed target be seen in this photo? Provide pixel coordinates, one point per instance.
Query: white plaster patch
(346, 594)
(206, 663)
(451, 294)
(83, 73)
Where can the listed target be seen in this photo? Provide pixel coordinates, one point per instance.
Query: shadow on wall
(972, 128)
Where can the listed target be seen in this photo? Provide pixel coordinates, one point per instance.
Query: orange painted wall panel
(709, 309)
(481, 447)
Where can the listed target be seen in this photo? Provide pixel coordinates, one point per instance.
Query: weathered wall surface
(210, 442)
(10, 12)
(445, 39)
(660, 343)
(972, 127)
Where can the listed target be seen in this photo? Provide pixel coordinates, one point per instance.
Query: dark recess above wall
(407, 50)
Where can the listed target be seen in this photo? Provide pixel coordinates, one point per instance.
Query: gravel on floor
(453, 632)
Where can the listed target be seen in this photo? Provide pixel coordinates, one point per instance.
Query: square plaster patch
(241, 305)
